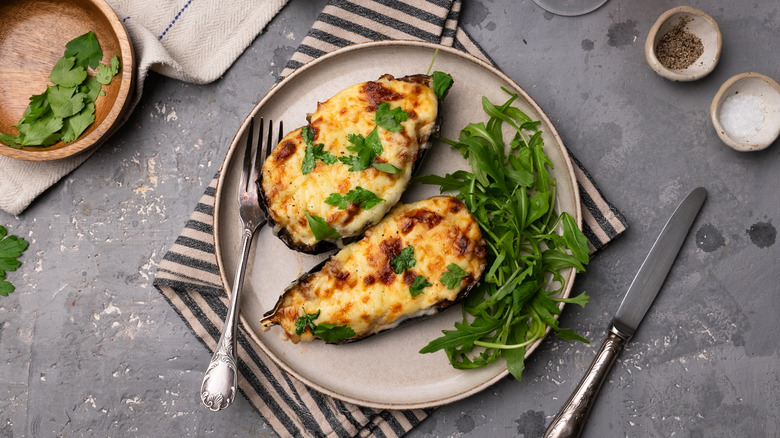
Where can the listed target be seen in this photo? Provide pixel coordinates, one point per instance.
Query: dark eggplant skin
(348, 287)
(323, 246)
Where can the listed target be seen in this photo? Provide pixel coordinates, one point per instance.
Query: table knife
(570, 421)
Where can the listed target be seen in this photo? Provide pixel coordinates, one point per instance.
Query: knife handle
(571, 419)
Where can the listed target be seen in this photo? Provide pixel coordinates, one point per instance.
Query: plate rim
(224, 275)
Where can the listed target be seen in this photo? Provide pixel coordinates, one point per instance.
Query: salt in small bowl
(746, 112)
(703, 26)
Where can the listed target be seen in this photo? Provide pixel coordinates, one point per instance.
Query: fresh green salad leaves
(320, 228)
(365, 199)
(511, 194)
(327, 332)
(67, 108)
(11, 248)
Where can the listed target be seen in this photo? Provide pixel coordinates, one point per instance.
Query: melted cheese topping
(289, 194)
(358, 287)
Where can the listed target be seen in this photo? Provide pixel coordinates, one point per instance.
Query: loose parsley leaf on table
(313, 152)
(65, 110)
(11, 248)
(320, 228)
(365, 199)
(511, 194)
(404, 260)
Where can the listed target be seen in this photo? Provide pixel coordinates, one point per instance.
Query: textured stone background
(89, 348)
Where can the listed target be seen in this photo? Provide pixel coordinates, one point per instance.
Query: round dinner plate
(386, 370)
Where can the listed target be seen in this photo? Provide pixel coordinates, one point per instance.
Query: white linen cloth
(190, 40)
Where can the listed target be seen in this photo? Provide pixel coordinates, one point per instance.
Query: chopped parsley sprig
(511, 194)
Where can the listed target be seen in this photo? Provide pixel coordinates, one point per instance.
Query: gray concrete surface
(89, 348)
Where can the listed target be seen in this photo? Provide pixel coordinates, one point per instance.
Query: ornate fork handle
(219, 386)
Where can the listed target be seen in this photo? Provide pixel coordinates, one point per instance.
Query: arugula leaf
(66, 73)
(464, 334)
(320, 228)
(333, 333)
(442, 82)
(313, 152)
(307, 320)
(359, 196)
(390, 119)
(404, 260)
(367, 149)
(418, 285)
(85, 49)
(451, 279)
(11, 248)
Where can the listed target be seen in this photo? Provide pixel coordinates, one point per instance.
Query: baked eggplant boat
(331, 179)
(422, 258)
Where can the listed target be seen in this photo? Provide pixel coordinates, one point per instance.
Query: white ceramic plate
(384, 371)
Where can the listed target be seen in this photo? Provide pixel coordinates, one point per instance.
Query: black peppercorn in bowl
(684, 44)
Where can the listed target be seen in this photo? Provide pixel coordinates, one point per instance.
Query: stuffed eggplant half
(331, 179)
(422, 258)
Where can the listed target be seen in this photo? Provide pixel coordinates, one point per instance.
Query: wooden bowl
(703, 26)
(33, 35)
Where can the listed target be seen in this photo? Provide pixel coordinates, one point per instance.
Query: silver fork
(219, 386)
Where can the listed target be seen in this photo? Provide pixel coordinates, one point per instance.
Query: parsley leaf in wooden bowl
(66, 74)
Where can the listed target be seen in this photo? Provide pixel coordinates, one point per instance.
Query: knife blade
(640, 295)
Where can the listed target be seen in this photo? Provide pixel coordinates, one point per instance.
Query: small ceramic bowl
(701, 25)
(746, 112)
(33, 35)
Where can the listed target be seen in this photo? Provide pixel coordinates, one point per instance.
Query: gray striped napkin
(188, 276)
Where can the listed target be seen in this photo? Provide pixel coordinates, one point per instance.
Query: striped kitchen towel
(188, 276)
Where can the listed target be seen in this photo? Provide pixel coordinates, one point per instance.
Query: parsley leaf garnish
(418, 285)
(325, 331)
(451, 279)
(333, 333)
(64, 111)
(320, 228)
(365, 199)
(367, 149)
(11, 248)
(307, 320)
(404, 260)
(441, 84)
(390, 119)
(313, 152)
(386, 168)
